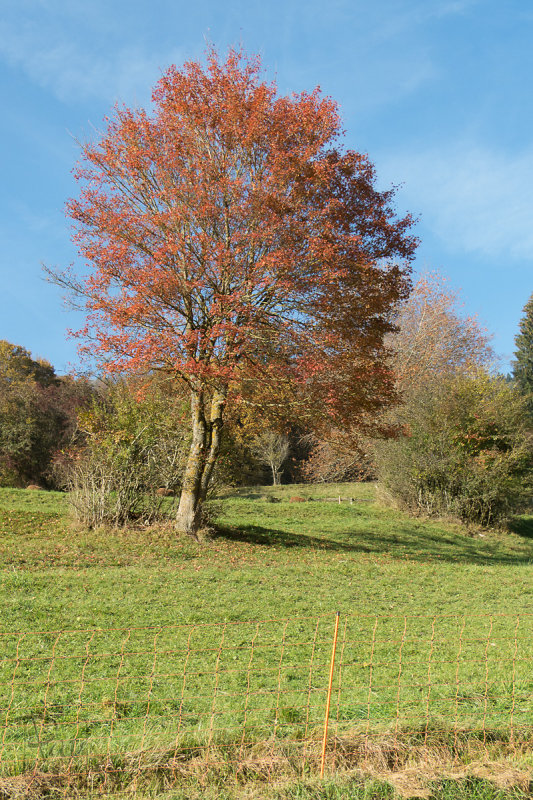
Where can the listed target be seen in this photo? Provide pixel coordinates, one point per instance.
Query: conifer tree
(523, 362)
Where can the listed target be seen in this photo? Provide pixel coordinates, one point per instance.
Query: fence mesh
(78, 703)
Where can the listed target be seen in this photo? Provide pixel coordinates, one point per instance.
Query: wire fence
(90, 705)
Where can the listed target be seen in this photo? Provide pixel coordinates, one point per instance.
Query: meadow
(122, 646)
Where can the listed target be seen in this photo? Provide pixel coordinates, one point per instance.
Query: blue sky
(437, 92)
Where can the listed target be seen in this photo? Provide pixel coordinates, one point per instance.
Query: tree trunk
(205, 447)
(218, 404)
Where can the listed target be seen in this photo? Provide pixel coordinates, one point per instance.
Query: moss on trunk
(205, 447)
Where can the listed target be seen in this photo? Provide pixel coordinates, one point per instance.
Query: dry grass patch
(270, 768)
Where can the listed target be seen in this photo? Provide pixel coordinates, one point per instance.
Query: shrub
(128, 450)
(467, 450)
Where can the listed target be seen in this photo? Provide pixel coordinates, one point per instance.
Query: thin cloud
(475, 199)
(75, 73)
(389, 21)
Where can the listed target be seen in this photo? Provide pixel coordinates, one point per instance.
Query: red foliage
(235, 246)
(229, 238)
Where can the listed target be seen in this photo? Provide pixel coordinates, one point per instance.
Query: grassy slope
(280, 560)
(270, 560)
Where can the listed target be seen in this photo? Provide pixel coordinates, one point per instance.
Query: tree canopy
(37, 414)
(233, 244)
(434, 338)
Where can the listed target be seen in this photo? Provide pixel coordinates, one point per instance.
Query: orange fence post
(328, 701)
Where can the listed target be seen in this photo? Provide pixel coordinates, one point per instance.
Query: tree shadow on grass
(281, 540)
(522, 526)
(415, 544)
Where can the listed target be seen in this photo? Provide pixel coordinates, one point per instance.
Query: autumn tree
(233, 244)
(433, 336)
(523, 361)
(467, 449)
(433, 339)
(37, 414)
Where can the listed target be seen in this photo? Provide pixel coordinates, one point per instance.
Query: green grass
(435, 637)
(467, 789)
(269, 560)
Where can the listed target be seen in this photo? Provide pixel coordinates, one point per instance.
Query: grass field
(149, 643)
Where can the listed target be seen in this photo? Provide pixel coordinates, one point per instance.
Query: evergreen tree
(523, 362)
